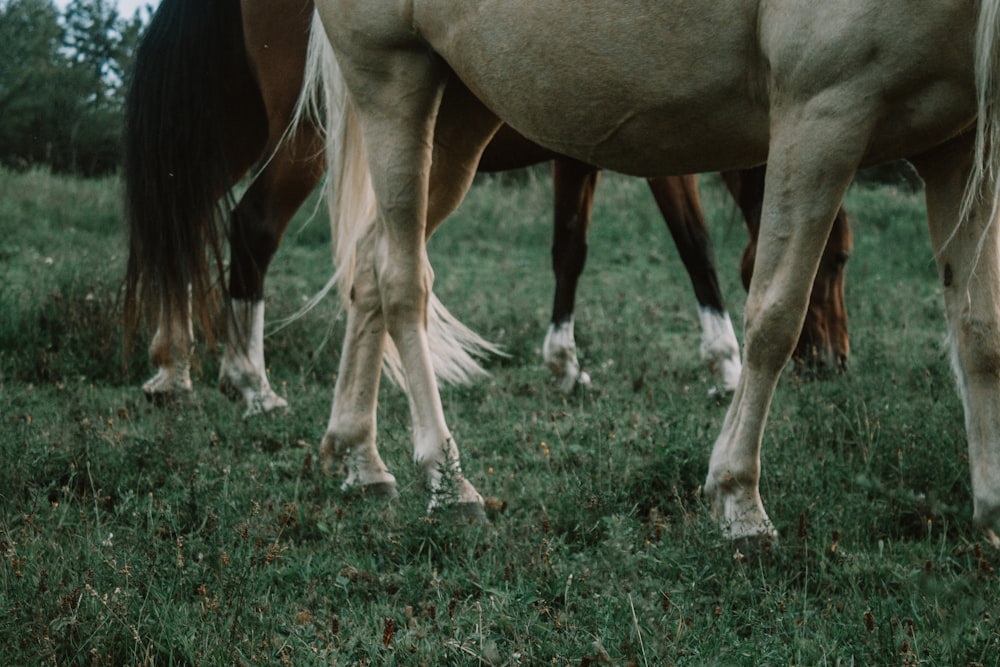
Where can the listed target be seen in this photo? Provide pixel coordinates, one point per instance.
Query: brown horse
(194, 132)
(816, 89)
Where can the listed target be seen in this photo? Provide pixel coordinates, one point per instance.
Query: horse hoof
(165, 399)
(264, 404)
(385, 490)
(754, 548)
(570, 379)
(470, 513)
(992, 538)
(381, 490)
(228, 389)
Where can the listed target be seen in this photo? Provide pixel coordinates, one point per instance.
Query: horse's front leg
(800, 201)
(968, 260)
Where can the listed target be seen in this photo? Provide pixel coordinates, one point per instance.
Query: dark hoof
(229, 390)
(382, 490)
(379, 491)
(167, 399)
(462, 513)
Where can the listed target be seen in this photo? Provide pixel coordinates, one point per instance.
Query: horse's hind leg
(274, 43)
(573, 185)
(677, 197)
(350, 433)
(968, 260)
(170, 351)
(258, 223)
(396, 95)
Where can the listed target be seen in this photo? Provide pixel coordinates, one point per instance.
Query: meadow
(187, 535)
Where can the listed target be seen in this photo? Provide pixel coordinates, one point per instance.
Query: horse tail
(456, 350)
(175, 164)
(986, 161)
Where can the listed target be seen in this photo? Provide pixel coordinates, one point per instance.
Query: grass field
(187, 535)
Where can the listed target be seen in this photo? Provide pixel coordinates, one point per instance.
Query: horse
(815, 89)
(213, 93)
(824, 342)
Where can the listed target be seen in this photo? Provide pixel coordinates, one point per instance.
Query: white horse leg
(559, 352)
(396, 105)
(170, 352)
(968, 260)
(350, 433)
(242, 373)
(720, 351)
(800, 202)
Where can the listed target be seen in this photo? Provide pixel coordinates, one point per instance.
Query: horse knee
(344, 434)
(771, 335)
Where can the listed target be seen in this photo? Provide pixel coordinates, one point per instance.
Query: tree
(31, 74)
(62, 83)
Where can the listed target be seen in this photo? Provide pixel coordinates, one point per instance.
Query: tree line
(63, 76)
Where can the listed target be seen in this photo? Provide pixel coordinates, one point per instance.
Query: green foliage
(132, 534)
(62, 83)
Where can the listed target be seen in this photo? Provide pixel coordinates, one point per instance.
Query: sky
(126, 8)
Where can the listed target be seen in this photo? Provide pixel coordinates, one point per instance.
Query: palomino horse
(213, 92)
(817, 89)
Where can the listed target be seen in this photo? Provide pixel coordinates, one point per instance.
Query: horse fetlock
(351, 452)
(252, 388)
(725, 371)
(339, 442)
(720, 351)
(559, 353)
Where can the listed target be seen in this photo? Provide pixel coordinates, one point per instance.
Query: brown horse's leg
(275, 44)
(825, 341)
(227, 149)
(678, 200)
(573, 186)
(967, 253)
(257, 226)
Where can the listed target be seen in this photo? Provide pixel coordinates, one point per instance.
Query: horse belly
(630, 87)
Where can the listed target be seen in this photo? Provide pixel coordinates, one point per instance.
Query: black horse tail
(177, 176)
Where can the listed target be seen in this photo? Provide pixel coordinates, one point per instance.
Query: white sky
(126, 8)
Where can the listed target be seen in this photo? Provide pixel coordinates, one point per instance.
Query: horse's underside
(815, 88)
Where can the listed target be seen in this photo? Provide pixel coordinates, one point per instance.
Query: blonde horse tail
(986, 160)
(456, 350)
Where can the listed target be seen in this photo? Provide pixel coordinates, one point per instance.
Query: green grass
(131, 534)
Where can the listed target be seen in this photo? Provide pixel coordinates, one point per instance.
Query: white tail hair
(456, 350)
(987, 150)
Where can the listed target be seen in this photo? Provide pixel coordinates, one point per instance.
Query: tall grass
(132, 534)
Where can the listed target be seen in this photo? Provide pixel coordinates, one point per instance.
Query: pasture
(184, 534)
